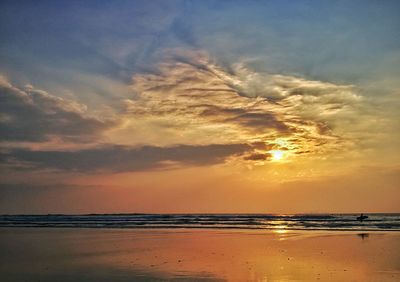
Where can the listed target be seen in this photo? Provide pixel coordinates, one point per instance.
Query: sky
(199, 106)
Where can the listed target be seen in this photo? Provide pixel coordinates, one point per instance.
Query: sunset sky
(199, 106)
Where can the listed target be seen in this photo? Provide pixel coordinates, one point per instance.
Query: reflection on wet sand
(363, 235)
(196, 255)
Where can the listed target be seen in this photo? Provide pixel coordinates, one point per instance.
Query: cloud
(189, 98)
(114, 158)
(245, 118)
(29, 114)
(257, 157)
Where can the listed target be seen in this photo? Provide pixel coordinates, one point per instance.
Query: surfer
(362, 217)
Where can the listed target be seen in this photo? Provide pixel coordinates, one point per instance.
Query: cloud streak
(113, 158)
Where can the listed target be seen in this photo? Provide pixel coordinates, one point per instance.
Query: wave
(348, 222)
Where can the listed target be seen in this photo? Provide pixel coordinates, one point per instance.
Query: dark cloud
(262, 146)
(260, 121)
(34, 115)
(246, 118)
(212, 110)
(257, 157)
(122, 158)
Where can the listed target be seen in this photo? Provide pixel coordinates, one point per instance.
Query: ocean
(334, 222)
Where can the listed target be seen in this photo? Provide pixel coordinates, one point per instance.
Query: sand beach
(84, 254)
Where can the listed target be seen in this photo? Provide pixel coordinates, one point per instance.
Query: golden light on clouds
(195, 101)
(190, 104)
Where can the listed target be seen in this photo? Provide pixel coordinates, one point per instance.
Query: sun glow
(277, 155)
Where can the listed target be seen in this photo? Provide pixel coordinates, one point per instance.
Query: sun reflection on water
(281, 230)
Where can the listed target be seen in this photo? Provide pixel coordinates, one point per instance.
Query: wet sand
(45, 254)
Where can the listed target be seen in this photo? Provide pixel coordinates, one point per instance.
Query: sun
(277, 155)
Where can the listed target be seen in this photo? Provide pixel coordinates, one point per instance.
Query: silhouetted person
(362, 217)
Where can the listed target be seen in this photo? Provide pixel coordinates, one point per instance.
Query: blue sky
(338, 41)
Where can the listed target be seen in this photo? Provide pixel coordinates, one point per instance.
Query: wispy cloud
(190, 96)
